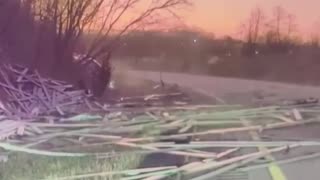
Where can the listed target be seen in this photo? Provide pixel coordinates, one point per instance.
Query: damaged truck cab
(94, 75)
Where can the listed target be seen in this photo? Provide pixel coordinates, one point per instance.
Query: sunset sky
(224, 16)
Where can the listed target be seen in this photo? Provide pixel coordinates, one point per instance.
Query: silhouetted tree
(314, 40)
(252, 29)
(113, 22)
(281, 29)
(54, 28)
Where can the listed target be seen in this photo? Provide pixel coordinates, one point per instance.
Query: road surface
(233, 90)
(230, 90)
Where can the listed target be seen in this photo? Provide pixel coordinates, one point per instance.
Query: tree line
(48, 32)
(277, 33)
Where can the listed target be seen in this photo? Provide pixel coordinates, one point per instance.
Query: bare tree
(16, 29)
(119, 19)
(252, 29)
(58, 26)
(120, 16)
(279, 18)
(292, 25)
(281, 30)
(108, 20)
(314, 40)
(66, 19)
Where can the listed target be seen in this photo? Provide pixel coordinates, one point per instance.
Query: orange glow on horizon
(224, 17)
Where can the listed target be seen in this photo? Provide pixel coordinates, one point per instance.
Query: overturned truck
(95, 76)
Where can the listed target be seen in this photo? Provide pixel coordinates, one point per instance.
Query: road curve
(232, 90)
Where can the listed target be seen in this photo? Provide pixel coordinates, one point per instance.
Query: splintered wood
(184, 131)
(33, 121)
(26, 94)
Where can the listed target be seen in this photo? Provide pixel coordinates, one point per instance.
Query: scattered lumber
(37, 113)
(25, 94)
(142, 132)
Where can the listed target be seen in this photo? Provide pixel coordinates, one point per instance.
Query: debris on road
(51, 118)
(142, 130)
(307, 101)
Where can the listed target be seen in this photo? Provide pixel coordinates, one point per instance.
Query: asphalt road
(230, 90)
(233, 90)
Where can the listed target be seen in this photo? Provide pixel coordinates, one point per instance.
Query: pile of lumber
(25, 93)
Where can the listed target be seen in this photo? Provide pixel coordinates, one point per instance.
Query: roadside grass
(21, 166)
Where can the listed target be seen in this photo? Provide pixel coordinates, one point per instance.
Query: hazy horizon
(224, 17)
